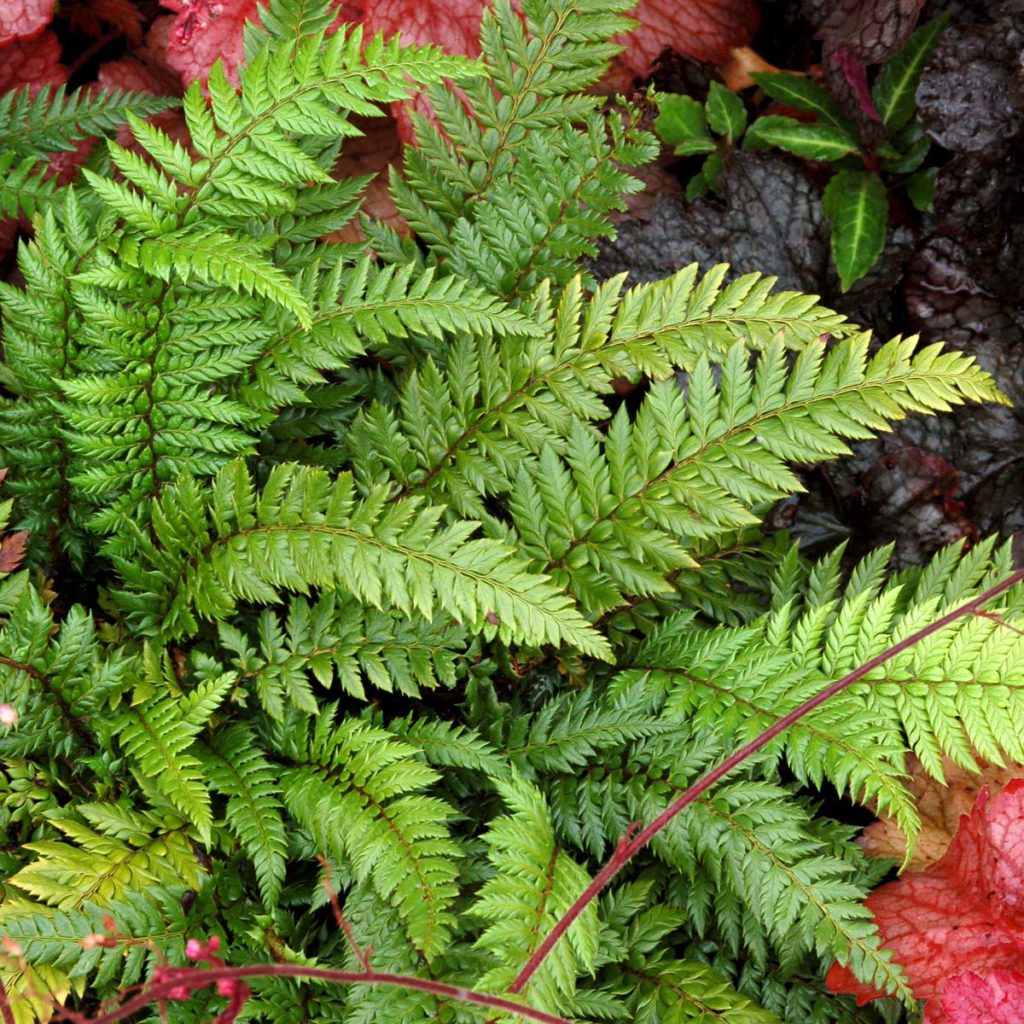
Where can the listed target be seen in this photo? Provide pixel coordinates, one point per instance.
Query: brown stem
(629, 846)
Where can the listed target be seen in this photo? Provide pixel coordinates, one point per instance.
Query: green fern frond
(303, 530)
(360, 793)
(108, 862)
(671, 991)
(157, 735)
(54, 937)
(534, 884)
(239, 769)
(616, 520)
(510, 192)
(35, 123)
(570, 731)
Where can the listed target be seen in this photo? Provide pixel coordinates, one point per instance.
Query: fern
(358, 791)
(534, 884)
(301, 530)
(352, 586)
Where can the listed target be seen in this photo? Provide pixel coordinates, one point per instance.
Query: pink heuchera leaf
(964, 913)
(23, 19)
(996, 998)
(205, 31)
(34, 63)
(453, 25)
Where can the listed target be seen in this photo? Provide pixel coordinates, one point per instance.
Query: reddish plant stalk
(194, 978)
(631, 843)
(5, 1005)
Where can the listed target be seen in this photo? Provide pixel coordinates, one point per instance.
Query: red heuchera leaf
(23, 19)
(996, 998)
(34, 63)
(453, 25)
(964, 913)
(705, 30)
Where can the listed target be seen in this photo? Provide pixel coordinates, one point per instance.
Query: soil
(955, 274)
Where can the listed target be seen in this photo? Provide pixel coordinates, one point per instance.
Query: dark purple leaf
(970, 97)
(872, 29)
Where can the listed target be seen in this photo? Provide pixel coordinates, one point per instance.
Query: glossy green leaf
(894, 89)
(858, 204)
(801, 93)
(681, 118)
(811, 141)
(921, 189)
(725, 111)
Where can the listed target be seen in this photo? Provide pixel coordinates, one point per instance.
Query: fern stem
(5, 1006)
(634, 841)
(195, 978)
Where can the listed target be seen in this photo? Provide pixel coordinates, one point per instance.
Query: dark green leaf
(812, 141)
(726, 113)
(858, 204)
(921, 189)
(801, 93)
(894, 89)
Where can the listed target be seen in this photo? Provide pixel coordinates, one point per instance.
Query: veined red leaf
(962, 914)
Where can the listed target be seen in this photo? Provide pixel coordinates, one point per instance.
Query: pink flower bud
(213, 944)
(8, 716)
(178, 992)
(227, 987)
(193, 949)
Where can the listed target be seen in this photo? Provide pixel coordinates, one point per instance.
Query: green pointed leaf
(921, 189)
(801, 93)
(896, 85)
(726, 113)
(811, 141)
(681, 119)
(858, 204)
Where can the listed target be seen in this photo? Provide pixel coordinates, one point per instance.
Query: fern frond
(361, 306)
(571, 730)
(108, 862)
(304, 530)
(670, 991)
(35, 123)
(157, 735)
(615, 521)
(239, 769)
(359, 791)
(510, 192)
(54, 937)
(534, 884)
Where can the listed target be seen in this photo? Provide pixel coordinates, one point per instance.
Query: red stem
(194, 978)
(628, 847)
(5, 1006)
